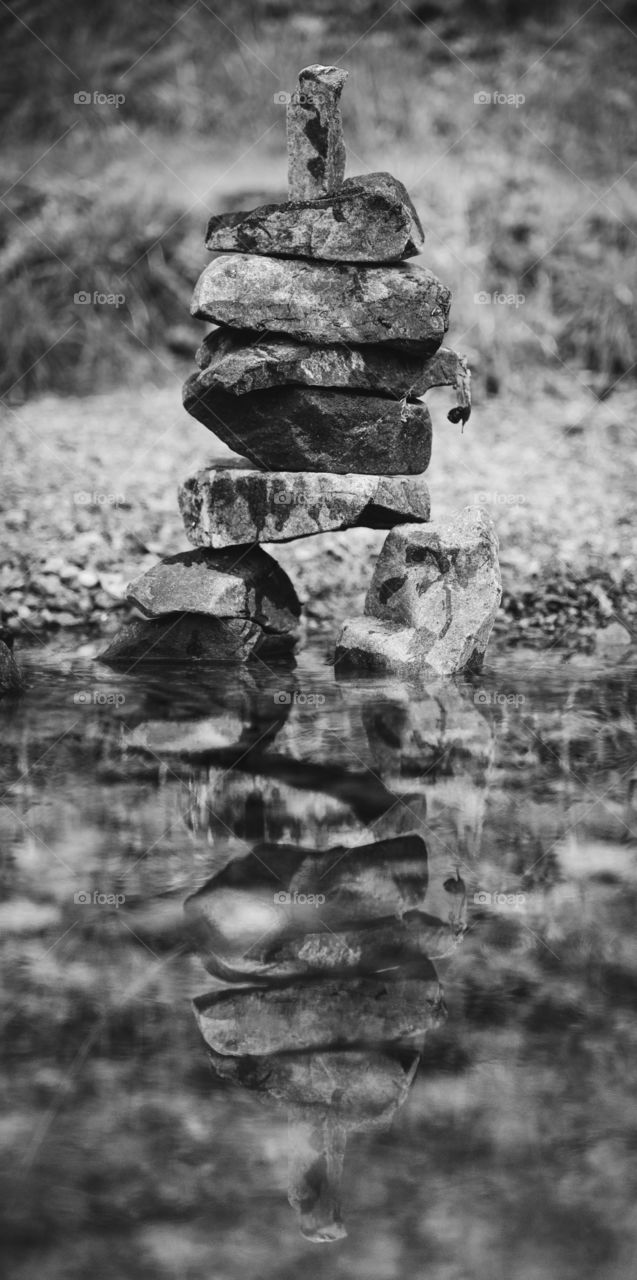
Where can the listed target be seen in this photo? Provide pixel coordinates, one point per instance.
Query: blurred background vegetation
(537, 200)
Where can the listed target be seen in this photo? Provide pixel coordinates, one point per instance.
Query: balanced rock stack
(325, 341)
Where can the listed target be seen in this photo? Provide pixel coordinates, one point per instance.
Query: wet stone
(227, 506)
(299, 429)
(193, 637)
(368, 219)
(404, 305)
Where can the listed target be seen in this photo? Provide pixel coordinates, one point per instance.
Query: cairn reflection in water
(337, 947)
(325, 939)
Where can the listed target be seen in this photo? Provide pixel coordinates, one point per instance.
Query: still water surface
(405, 914)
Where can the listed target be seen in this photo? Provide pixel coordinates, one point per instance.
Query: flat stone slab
(240, 582)
(299, 429)
(226, 506)
(432, 601)
(318, 302)
(236, 363)
(368, 219)
(193, 637)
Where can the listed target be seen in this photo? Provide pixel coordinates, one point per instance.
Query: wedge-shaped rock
(178, 637)
(432, 601)
(233, 363)
(238, 583)
(227, 506)
(297, 429)
(368, 219)
(404, 305)
(303, 1015)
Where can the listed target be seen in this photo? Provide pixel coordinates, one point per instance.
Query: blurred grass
(537, 201)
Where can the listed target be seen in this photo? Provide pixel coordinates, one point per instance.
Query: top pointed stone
(316, 151)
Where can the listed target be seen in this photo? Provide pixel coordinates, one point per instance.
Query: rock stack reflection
(324, 941)
(335, 953)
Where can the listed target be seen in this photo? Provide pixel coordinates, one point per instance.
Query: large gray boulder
(432, 601)
(368, 219)
(240, 582)
(299, 429)
(404, 305)
(237, 363)
(226, 506)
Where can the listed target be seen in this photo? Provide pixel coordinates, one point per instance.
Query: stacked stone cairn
(325, 341)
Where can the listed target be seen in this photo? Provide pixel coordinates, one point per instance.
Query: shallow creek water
(406, 915)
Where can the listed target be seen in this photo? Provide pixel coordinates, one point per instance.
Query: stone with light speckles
(226, 506)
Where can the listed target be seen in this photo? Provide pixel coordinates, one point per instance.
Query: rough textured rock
(432, 601)
(298, 429)
(233, 583)
(316, 151)
(405, 305)
(234, 363)
(302, 1015)
(193, 637)
(228, 506)
(369, 219)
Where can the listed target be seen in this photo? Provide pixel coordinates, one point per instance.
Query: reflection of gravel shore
(91, 502)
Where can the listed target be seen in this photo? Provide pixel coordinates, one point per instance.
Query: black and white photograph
(318, 640)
